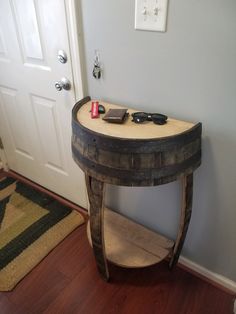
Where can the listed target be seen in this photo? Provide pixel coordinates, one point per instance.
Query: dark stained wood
(66, 281)
(135, 177)
(6, 306)
(186, 211)
(95, 190)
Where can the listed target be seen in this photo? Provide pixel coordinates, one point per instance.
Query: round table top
(129, 129)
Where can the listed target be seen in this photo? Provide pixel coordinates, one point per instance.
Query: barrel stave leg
(186, 211)
(96, 190)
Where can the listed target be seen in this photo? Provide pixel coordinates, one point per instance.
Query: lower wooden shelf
(129, 244)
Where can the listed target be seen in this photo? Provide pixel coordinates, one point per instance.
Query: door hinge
(1, 144)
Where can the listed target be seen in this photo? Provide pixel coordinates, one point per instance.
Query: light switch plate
(151, 15)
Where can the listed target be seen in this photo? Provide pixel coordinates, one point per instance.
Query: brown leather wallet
(116, 115)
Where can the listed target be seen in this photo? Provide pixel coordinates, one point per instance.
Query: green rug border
(56, 212)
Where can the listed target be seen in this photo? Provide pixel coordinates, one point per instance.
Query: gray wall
(189, 72)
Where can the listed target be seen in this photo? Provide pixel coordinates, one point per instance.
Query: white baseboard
(216, 278)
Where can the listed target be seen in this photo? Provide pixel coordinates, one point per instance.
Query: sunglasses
(157, 118)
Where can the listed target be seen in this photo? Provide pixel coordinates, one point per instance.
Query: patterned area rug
(31, 225)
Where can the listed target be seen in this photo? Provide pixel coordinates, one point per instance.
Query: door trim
(75, 31)
(74, 25)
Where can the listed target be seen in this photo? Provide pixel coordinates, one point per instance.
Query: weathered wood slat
(136, 161)
(186, 211)
(95, 193)
(129, 244)
(135, 177)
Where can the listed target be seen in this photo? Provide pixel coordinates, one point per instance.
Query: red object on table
(94, 110)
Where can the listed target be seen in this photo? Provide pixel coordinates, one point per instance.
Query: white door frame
(74, 34)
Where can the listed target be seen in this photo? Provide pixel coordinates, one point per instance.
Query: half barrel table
(132, 154)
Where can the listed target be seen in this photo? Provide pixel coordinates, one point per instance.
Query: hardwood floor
(66, 281)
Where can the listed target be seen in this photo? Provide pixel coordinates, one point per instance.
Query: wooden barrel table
(131, 154)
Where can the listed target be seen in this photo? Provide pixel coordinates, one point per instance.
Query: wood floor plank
(35, 294)
(37, 290)
(6, 306)
(67, 281)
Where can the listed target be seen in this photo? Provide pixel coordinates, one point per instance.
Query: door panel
(49, 133)
(25, 18)
(16, 125)
(19, 143)
(35, 118)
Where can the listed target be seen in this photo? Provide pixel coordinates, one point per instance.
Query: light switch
(151, 15)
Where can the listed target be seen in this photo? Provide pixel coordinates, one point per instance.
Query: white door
(35, 118)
